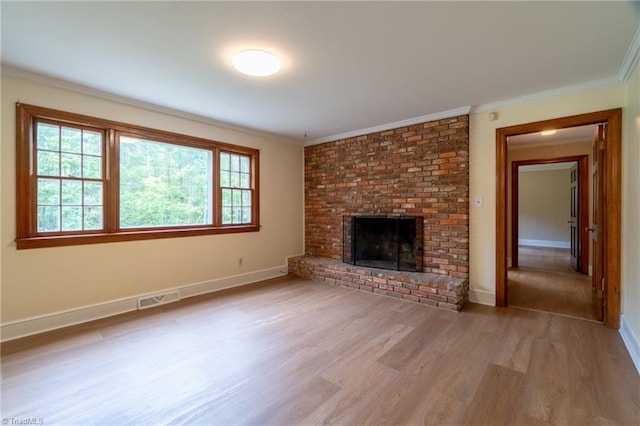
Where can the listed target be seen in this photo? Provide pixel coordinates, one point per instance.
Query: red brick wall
(421, 169)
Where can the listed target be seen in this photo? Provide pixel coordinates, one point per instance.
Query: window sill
(115, 237)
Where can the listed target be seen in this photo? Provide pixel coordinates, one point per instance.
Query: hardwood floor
(291, 351)
(546, 282)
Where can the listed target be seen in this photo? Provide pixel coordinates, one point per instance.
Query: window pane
(246, 198)
(93, 218)
(226, 197)
(71, 218)
(91, 167)
(93, 193)
(48, 163)
(244, 180)
(163, 184)
(244, 164)
(48, 137)
(235, 180)
(92, 143)
(71, 192)
(237, 215)
(48, 219)
(235, 163)
(246, 215)
(71, 165)
(225, 180)
(237, 198)
(224, 161)
(226, 215)
(71, 140)
(48, 192)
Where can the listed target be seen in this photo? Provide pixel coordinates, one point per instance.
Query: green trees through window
(86, 180)
(164, 185)
(235, 181)
(70, 179)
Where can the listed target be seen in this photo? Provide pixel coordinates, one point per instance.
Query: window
(69, 178)
(235, 181)
(163, 184)
(83, 180)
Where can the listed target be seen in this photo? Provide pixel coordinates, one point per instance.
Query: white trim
(388, 126)
(45, 80)
(39, 324)
(630, 59)
(482, 297)
(631, 341)
(548, 94)
(545, 243)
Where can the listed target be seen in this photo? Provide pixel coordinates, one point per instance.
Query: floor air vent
(158, 299)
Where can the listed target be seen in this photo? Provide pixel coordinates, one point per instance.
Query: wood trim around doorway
(612, 199)
(583, 209)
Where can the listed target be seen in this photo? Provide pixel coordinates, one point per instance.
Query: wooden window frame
(27, 235)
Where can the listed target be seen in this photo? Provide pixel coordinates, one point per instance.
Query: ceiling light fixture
(548, 132)
(256, 63)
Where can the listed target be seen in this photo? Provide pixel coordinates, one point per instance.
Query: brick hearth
(426, 288)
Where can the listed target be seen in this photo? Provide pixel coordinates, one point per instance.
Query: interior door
(597, 231)
(573, 219)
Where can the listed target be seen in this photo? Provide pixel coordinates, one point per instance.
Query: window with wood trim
(84, 180)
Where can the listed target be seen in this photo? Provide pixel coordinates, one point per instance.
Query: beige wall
(568, 149)
(544, 205)
(42, 281)
(482, 168)
(631, 205)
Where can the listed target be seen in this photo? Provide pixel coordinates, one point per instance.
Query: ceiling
(348, 67)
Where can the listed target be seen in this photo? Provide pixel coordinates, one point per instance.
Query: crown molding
(548, 94)
(34, 77)
(630, 59)
(389, 126)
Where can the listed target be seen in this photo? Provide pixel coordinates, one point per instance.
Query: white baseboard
(482, 297)
(39, 324)
(545, 243)
(631, 342)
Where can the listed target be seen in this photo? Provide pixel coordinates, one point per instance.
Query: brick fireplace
(420, 170)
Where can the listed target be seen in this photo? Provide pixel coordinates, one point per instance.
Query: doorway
(609, 223)
(550, 204)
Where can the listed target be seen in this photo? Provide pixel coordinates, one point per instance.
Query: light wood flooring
(291, 351)
(545, 281)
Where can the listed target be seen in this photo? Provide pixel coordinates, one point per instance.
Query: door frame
(583, 205)
(612, 199)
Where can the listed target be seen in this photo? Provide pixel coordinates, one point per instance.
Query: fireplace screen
(386, 242)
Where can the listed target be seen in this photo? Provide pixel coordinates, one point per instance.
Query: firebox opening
(384, 242)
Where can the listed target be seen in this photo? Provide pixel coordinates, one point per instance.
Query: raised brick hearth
(426, 288)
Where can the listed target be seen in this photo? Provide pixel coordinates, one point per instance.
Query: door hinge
(601, 145)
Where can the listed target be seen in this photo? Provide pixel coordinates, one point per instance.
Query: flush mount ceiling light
(256, 63)
(548, 132)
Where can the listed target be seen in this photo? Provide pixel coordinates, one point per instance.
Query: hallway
(545, 281)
